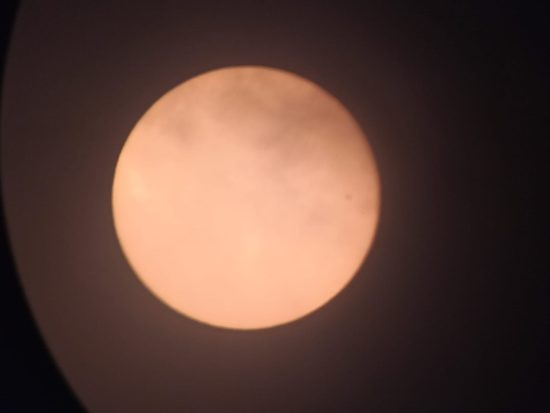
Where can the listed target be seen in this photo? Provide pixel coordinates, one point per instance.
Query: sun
(246, 197)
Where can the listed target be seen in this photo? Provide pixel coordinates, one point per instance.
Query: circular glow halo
(246, 197)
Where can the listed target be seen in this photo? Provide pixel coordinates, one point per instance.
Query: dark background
(30, 381)
(466, 327)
